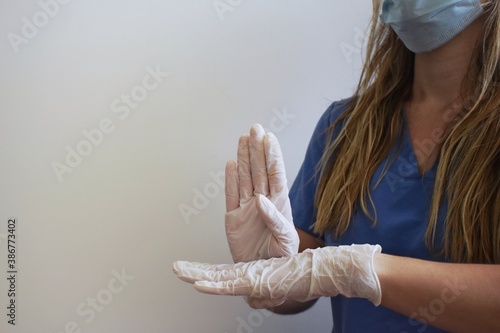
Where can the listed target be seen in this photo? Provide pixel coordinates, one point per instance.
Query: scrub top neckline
(408, 146)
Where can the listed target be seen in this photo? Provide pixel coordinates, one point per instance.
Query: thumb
(263, 303)
(280, 227)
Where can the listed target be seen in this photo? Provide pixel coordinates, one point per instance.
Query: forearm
(453, 297)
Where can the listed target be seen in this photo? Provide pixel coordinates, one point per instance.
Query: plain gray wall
(114, 172)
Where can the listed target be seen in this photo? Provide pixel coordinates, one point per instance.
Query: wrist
(348, 271)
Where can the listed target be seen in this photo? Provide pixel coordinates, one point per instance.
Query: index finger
(275, 166)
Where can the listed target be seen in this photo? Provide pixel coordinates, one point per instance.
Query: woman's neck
(439, 74)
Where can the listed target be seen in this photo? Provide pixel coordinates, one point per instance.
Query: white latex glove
(259, 218)
(327, 271)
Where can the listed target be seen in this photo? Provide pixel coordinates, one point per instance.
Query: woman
(410, 165)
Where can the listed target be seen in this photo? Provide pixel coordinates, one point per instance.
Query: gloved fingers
(207, 267)
(237, 287)
(281, 228)
(192, 271)
(275, 166)
(258, 160)
(244, 168)
(182, 271)
(232, 186)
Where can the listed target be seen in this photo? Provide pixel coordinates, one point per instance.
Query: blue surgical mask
(425, 25)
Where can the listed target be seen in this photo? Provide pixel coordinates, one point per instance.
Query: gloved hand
(327, 271)
(259, 218)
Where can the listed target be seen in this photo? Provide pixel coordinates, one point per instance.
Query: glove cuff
(346, 270)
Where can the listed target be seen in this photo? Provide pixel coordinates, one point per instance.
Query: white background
(279, 63)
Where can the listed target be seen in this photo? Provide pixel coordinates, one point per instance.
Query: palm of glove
(259, 219)
(249, 236)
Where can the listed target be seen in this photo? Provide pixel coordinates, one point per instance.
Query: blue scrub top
(402, 201)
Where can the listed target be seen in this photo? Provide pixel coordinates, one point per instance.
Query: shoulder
(323, 133)
(337, 108)
(329, 117)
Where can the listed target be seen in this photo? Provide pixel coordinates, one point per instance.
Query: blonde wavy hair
(468, 174)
